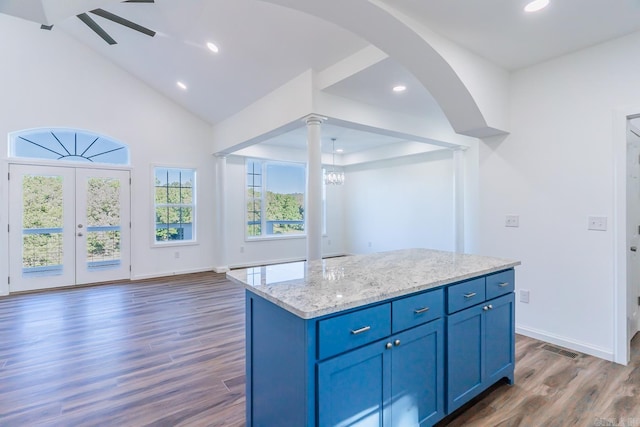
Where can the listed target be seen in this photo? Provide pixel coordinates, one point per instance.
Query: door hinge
(8, 228)
(129, 269)
(8, 176)
(129, 180)
(8, 280)
(638, 300)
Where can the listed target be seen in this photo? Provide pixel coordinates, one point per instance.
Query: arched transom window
(70, 145)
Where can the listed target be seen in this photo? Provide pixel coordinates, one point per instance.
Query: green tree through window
(275, 198)
(174, 204)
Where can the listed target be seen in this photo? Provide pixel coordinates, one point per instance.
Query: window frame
(193, 205)
(263, 193)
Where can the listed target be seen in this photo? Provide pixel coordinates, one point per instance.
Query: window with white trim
(175, 204)
(275, 198)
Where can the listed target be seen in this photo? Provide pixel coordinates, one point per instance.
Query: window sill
(274, 237)
(170, 244)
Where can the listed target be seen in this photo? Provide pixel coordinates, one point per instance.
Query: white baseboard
(222, 269)
(169, 273)
(592, 350)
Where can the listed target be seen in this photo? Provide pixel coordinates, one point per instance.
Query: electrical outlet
(241, 249)
(512, 221)
(369, 244)
(176, 255)
(597, 223)
(524, 296)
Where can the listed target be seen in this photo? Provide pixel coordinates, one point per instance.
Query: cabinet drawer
(416, 310)
(351, 330)
(500, 284)
(465, 294)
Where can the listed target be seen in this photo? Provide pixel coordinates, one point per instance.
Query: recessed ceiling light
(399, 88)
(536, 5)
(339, 150)
(213, 47)
(182, 85)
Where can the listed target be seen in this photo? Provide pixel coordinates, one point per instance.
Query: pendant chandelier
(334, 177)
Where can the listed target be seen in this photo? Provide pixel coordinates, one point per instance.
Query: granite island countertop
(316, 288)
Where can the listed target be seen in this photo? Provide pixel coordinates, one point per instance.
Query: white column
(458, 198)
(221, 263)
(313, 214)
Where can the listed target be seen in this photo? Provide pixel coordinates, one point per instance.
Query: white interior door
(67, 226)
(633, 231)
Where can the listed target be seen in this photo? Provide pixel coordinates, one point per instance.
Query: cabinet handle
(421, 310)
(388, 346)
(470, 295)
(503, 284)
(490, 307)
(361, 330)
(396, 342)
(485, 308)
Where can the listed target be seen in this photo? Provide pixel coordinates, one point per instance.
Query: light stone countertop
(316, 288)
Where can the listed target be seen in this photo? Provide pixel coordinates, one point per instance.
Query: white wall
(245, 252)
(554, 170)
(400, 203)
(50, 79)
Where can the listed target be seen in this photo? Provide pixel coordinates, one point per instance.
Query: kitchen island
(398, 338)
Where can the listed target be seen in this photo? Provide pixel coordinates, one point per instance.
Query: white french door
(67, 226)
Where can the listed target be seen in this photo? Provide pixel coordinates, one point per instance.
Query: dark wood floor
(170, 352)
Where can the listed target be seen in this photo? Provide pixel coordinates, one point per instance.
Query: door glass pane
(103, 223)
(42, 225)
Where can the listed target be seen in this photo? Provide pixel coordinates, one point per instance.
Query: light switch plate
(597, 223)
(524, 296)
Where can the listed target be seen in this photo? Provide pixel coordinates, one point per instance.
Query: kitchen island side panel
(280, 366)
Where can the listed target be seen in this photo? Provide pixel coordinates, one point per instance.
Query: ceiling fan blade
(119, 20)
(46, 27)
(138, 1)
(96, 28)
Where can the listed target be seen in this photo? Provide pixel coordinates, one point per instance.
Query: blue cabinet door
(499, 339)
(417, 381)
(464, 356)
(353, 388)
(480, 349)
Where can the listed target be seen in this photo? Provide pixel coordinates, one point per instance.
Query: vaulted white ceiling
(262, 45)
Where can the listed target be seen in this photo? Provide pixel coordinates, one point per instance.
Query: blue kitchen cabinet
(398, 381)
(406, 361)
(480, 348)
(417, 376)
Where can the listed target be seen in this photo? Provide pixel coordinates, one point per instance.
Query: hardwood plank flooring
(162, 352)
(170, 352)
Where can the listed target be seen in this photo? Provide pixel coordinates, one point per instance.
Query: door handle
(633, 248)
(80, 234)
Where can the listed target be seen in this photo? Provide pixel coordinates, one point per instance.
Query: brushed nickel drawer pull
(504, 284)
(361, 330)
(421, 310)
(470, 295)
